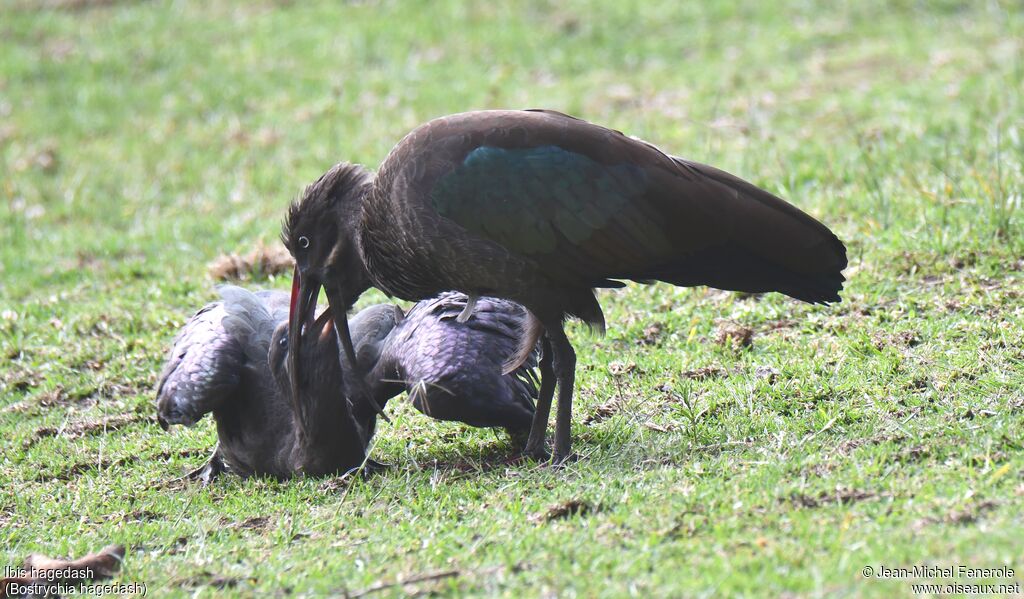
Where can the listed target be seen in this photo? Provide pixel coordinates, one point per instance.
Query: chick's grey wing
(454, 370)
(430, 345)
(493, 331)
(498, 324)
(203, 365)
(416, 351)
(370, 329)
(249, 321)
(276, 302)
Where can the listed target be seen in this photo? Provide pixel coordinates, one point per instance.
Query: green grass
(139, 140)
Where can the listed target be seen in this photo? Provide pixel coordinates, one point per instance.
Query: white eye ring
(303, 242)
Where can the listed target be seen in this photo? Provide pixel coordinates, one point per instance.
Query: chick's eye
(283, 341)
(303, 242)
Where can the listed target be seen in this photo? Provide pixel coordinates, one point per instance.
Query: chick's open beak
(305, 289)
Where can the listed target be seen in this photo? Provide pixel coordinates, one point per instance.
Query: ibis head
(321, 377)
(326, 256)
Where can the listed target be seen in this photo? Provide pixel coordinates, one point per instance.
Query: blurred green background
(140, 140)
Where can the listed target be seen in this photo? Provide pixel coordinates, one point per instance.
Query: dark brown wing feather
(587, 205)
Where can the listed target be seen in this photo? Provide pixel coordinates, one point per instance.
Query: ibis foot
(372, 467)
(206, 473)
(537, 454)
(565, 460)
(463, 316)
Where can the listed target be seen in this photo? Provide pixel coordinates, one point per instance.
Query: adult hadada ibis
(542, 208)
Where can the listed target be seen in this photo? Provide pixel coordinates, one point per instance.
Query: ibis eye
(283, 341)
(303, 242)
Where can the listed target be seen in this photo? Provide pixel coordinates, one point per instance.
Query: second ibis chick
(453, 370)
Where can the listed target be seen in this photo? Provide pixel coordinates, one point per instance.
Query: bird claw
(565, 460)
(537, 454)
(372, 467)
(467, 312)
(543, 457)
(205, 474)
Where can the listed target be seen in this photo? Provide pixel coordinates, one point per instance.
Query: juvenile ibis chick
(453, 368)
(230, 360)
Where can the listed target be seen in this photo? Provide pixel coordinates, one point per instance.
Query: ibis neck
(332, 440)
(348, 277)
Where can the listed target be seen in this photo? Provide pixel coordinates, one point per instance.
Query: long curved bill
(301, 315)
(301, 311)
(345, 339)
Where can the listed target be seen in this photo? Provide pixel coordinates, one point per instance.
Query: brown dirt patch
(734, 335)
(706, 372)
(837, 497)
(566, 509)
(261, 261)
(257, 523)
(604, 411)
(652, 334)
(848, 446)
(77, 469)
(82, 429)
(966, 515)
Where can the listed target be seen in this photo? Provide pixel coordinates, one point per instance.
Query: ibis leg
(538, 430)
(565, 372)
